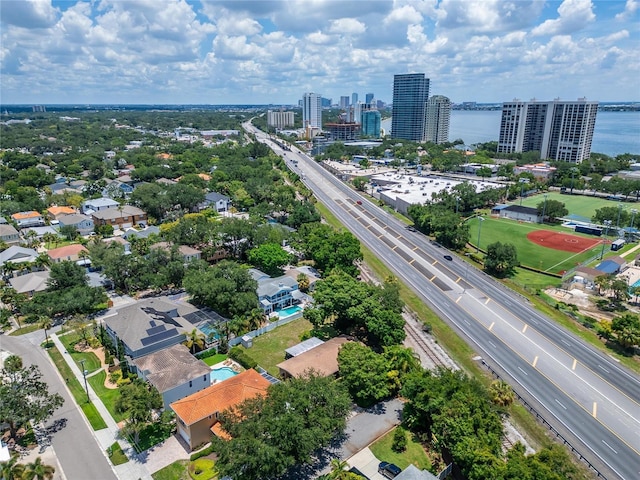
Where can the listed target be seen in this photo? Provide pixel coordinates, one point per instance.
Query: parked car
(389, 470)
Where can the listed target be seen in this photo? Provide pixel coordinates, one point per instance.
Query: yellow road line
(459, 278)
(488, 300)
(595, 410)
(524, 329)
(575, 362)
(431, 279)
(491, 326)
(535, 361)
(459, 298)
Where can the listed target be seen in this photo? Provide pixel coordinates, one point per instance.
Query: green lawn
(203, 469)
(107, 395)
(582, 205)
(116, 455)
(175, 471)
(220, 357)
(91, 362)
(77, 390)
(268, 349)
(547, 259)
(414, 454)
(26, 328)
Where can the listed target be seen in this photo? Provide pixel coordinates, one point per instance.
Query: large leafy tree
(331, 249)
(65, 275)
(356, 308)
(137, 400)
(24, 395)
(364, 373)
(38, 470)
(226, 288)
(553, 209)
(270, 258)
(272, 433)
(627, 330)
(501, 259)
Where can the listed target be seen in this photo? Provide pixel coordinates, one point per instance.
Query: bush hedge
(242, 357)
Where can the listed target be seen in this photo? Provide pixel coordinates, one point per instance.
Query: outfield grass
(268, 349)
(530, 254)
(77, 390)
(581, 205)
(414, 454)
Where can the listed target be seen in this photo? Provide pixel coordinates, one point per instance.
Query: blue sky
(270, 51)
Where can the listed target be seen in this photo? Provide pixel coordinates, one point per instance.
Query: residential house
(120, 241)
(30, 283)
(188, 253)
(72, 253)
(18, 256)
(149, 325)
(83, 223)
(275, 293)
(322, 358)
(129, 233)
(9, 235)
(197, 415)
(217, 201)
(97, 204)
(55, 212)
(312, 274)
(28, 219)
(414, 473)
(174, 372)
(123, 216)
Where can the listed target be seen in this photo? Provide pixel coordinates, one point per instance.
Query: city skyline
(251, 52)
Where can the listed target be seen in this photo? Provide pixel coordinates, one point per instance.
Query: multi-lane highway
(582, 392)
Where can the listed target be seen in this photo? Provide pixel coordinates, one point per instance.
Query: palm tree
(303, 282)
(11, 469)
(41, 261)
(46, 324)
(501, 393)
(38, 470)
(255, 319)
(195, 339)
(402, 359)
(50, 238)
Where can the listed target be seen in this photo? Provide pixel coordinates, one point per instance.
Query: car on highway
(389, 470)
(411, 228)
(448, 257)
(359, 202)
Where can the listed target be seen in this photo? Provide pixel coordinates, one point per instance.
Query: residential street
(74, 444)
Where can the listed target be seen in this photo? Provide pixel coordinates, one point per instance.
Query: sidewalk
(106, 437)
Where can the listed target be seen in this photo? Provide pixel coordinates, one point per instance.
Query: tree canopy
(501, 259)
(271, 433)
(269, 258)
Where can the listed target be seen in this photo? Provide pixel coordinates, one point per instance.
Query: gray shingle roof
(171, 367)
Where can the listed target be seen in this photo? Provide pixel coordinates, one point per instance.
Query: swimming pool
(208, 329)
(222, 373)
(287, 312)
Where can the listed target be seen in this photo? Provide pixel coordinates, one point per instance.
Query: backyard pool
(222, 373)
(287, 312)
(208, 329)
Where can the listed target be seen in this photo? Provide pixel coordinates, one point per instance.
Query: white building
(280, 120)
(559, 130)
(312, 110)
(438, 119)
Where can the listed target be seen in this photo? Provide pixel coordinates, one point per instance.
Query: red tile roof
(68, 251)
(220, 396)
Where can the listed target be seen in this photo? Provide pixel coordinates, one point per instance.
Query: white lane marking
(603, 368)
(560, 403)
(566, 343)
(523, 371)
(492, 344)
(609, 447)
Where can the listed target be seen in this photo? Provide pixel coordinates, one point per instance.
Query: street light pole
(522, 183)
(633, 217)
(607, 224)
(480, 220)
(84, 375)
(544, 208)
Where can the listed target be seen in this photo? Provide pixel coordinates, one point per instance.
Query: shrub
(124, 381)
(206, 354)
(242, 358)
(399, 440)
(115, 377)
(202, 453)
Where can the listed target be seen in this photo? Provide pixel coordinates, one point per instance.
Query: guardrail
(540, 418)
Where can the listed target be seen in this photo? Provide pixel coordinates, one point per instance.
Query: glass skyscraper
(371, 123)
(409, 116)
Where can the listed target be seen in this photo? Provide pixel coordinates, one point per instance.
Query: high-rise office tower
(312, 110)
(408, 116)
(561, 131)
(368, 98)
(438, 118)
(371, 123)
(344, 102)
(279, 119)
(354, 98)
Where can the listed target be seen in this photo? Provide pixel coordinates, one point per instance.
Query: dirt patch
(99, 352)
(562, 241)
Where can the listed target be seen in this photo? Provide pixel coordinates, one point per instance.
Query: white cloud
(630, 8)
(347, 26)
(29, 13)
(404, 14)
(573, 15)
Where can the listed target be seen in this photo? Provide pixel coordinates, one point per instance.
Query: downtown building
(559, 130)
(438, 119)
(280, 119)
(312, 113)
(409, 116)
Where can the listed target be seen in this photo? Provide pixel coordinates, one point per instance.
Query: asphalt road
(74, 444)
(584, 394)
